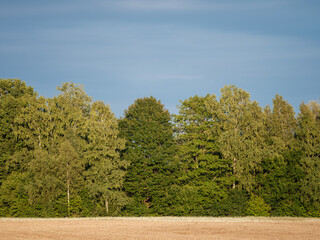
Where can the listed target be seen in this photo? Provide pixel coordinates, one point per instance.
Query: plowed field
(160, 228)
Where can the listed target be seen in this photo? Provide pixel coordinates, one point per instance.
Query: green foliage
(105, 170)
(14, 197)
(69, 171)
(279, 181)
(196, 135)
(290, 208)
(235, 204)
(67, 149)
(281, 124)
(184, 201)
(204, 172)
(14, 95)
(150, 150)
(46, 185)
(241, 134)
(258, 207)
(308, 134)
(68, 156)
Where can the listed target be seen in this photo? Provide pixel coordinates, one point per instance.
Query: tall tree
(280, 174)
(242, 135)
(45, 185)
(70, 110)
(202, 167)
(281, 124)
(105, 170)
(70, 170)
(150, 150)
(14, 95)
(33, 124)
(308, 134)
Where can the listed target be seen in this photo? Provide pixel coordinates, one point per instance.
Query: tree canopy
(150, 150)
(69, 156)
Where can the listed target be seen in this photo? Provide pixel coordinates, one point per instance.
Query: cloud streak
(26, 9)
(164, 5)
(168, 48)
(192, 5)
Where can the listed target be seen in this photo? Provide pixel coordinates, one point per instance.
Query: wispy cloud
(173, 5)
(191, 5)
(31, 9)
(99, 6)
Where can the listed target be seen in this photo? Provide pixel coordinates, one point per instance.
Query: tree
(241, 134)
(46, 184)
(70, 170)
(258, 207)
(202, 167)
(70, 152)
(280, 172)
(14, 196)
(105, 170)
(53, 129)
(281, 124)
(34, 124)
(70, 111)
(14, 95)
(308, 134)
(150, 150)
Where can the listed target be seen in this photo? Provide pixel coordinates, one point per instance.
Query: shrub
(258, 207)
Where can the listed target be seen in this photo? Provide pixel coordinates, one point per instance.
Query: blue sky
(121, 50)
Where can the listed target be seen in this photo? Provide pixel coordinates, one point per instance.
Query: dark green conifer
(151, 152)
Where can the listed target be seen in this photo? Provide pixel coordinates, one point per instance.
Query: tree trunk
(68, 190)
(39, 137)
(107, 206)
(234, 173)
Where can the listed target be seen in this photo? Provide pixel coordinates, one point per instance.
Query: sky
(121, 50)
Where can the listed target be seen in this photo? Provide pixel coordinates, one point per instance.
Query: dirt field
(160, 228)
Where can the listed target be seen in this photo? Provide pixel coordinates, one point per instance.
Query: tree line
(70, 156)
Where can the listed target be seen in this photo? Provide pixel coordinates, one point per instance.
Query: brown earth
(160, 228)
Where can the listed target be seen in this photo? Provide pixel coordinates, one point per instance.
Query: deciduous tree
(105, 170)
(14, 95)
(241, 139)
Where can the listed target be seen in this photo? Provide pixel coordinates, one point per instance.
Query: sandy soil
(160, 228)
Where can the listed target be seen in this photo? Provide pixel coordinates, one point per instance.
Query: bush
(258, 207)
(290, 208)
(235, 204)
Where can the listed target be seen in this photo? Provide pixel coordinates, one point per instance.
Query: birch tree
(105, 170)
(14, 95)
(241, 137)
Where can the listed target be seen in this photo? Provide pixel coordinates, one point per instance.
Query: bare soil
(160, 228)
